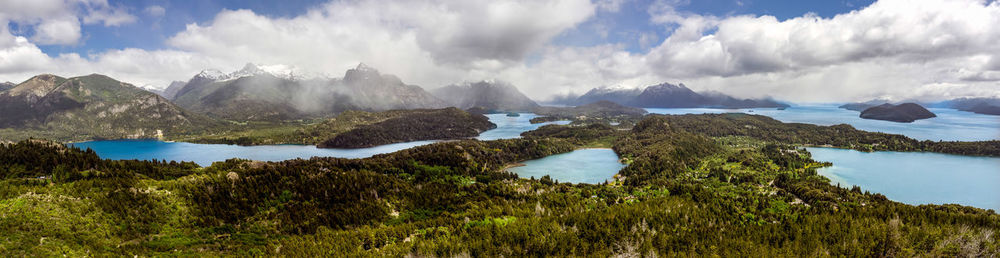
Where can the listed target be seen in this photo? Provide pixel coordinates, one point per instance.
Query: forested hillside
(686, 191)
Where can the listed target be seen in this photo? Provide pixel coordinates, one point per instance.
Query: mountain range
(92, 106)
(489, 94)
(253, 93)
(668, 95)
(985, 106)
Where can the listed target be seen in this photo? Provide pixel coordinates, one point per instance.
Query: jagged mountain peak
(669, 86)
(364, 67)
(490, 94)
(211, 74)
(361, 72)
(252, 69)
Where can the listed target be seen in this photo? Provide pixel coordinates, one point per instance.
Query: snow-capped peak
(211, 74)
(248, 70)
(251, 69)
(612, 88)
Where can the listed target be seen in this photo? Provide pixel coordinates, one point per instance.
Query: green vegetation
(842, 136)
(359, 128)
(91, 107)
(606, 112)
(415, 125)
(685, 192)
(308, 132)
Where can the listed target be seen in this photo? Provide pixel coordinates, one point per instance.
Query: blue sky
(633, 18)
(848, 50)
(151, 32)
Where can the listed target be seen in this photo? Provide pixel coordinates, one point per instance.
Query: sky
(792, 50)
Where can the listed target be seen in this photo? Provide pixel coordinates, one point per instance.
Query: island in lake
(903, 113)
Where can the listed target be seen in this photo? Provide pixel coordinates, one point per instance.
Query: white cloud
(156, 11)
(57, 32)
(427, 42)
(99, 11)
(902, 49)
(909, 30)
(610, 5)
(57, 22)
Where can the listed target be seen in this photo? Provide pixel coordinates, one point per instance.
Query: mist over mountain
(171, 90)
(253, 93)
(668, 95)
(622, 96)
(94, 106)
(489, 95)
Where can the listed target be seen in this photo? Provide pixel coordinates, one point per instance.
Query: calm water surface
(916, 177)
(592, 166)
(949, 125)
(205, 154)
(512, 127)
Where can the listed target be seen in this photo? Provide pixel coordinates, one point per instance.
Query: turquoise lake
(949, 125)
(511, 127)
(592, 166)
(916, 177)
(205, 154)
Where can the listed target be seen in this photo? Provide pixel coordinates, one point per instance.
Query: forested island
(903, 113)
(600, 111)
(415, 125)
(695, 185)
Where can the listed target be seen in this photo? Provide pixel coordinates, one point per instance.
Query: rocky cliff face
(496, 96)
(903, 113)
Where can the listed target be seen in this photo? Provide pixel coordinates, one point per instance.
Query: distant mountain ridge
(668, 95)
(491, 95)
(985, 106)
(861, 106)
(255, 94)
(92, 106)
(7, 85)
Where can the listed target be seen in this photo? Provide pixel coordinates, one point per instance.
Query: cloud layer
(894, 48)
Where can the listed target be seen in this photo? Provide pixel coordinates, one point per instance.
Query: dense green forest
(843, 135)
(689, 189)
(416, 125)
(352, 129)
